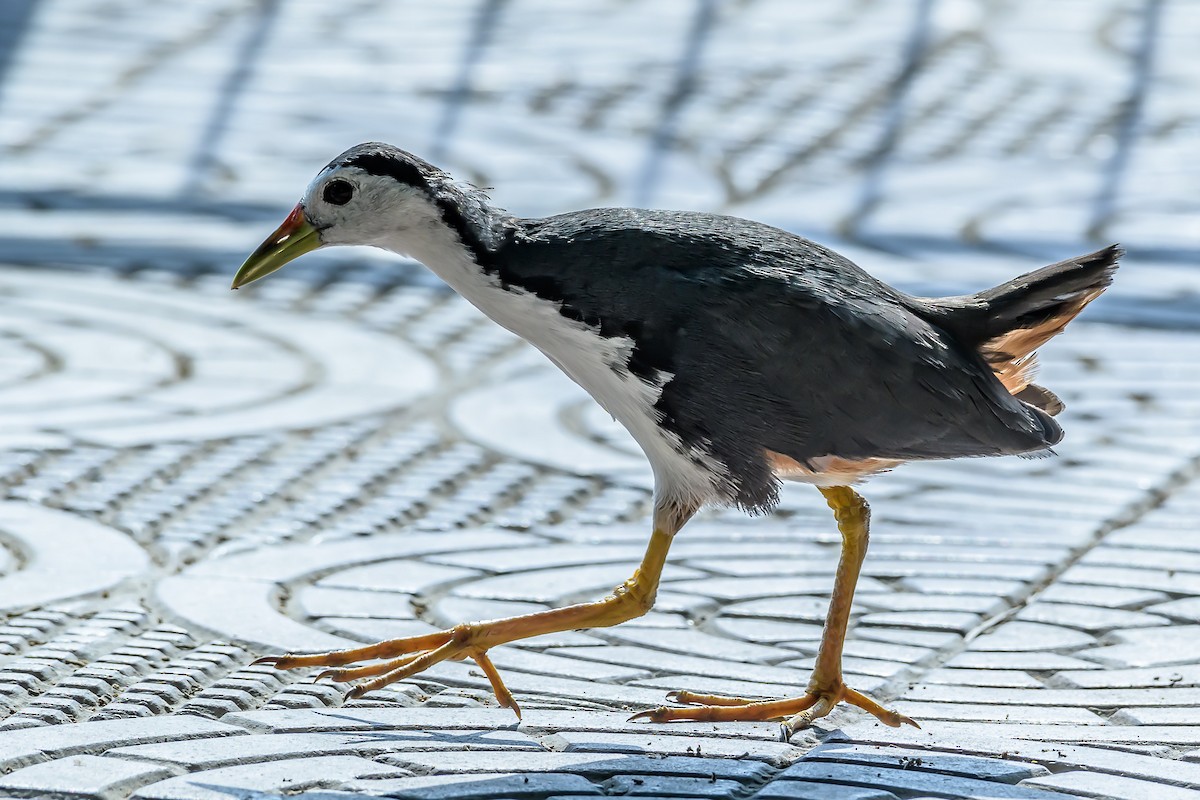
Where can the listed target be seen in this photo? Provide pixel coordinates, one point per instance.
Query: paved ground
(347, 452)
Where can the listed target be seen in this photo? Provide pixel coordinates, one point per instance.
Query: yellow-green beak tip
(292, 239)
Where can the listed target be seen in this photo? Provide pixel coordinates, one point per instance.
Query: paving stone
(1185, 675)
(621, 696)
(803, 609)
(959, 622)
(214, 753)
(897, 601)
(82, 776)
(524, 560)
(908, 781)
(539, 722)
(690, 641)
(285, 777)
(984, 711)
(1046, 745)
(1100, 596)
(296, 561)
(321, 601)
(1178, 644)
(685, 665)
(1015, 637)
(548, 664)
(1010, 590)
(1096, 698)
(225, 604)
(1185, 715)
(659, 743)
(553, 585)
(673, 610)
(476, 786)
(66, 556)
(366, 719)
(992, 769)
(1089, 618)
(1034, 661)
(1107, 555)
(672, 786)
(805, 790)
(1134, 578)
(767, 630)
(936, 640)
(904, 653)
(410, 577)
(990, 570)
(855, 666)
(820, 563)
(999, 678)
(597, 766)
(29, 746)
(1117, 787)
(375, 630)
(1185, 609)
(550, 721)
(786, 589)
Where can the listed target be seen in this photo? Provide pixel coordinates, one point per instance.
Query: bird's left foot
(797, 712)
(402, 658)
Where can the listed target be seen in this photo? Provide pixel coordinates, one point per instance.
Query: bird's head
(372, 194)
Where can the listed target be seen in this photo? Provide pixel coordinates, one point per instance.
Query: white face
(348, 206)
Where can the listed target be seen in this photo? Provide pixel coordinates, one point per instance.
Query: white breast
(600, 365)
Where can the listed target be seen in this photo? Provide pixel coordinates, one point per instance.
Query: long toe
(726, 709)
(887, 716)
(395, 660)
(390, 648)
(798, 712)
(695, 699)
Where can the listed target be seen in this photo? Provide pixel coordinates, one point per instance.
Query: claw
(653, 714)
(503, 695)
(266, 661)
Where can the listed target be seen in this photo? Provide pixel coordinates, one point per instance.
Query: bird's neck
(469, 261)
(458, 247)
(458, 231)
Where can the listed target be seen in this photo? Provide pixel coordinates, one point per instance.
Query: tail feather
(1007, 324)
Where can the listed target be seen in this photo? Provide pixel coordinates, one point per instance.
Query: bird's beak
(292, 239)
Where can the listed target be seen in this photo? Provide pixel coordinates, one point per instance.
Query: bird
(738, 355)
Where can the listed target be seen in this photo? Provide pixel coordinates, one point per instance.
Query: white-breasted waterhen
(737, 355)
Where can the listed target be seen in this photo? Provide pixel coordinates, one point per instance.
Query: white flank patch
(600, 365)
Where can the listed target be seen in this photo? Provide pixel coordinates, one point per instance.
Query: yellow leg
(398, 659)
(825, 687)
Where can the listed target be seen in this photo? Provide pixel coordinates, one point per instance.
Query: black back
(773, 343)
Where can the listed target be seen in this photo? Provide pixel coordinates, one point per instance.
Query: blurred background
(174, 135)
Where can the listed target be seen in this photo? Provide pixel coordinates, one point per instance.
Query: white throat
(598, 364)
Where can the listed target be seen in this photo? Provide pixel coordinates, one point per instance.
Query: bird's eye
(338, 192)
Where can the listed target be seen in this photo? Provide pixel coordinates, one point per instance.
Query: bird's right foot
(797, 712)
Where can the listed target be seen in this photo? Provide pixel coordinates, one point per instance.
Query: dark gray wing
(773, 342)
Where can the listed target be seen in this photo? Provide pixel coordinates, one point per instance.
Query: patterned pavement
(346, 451)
